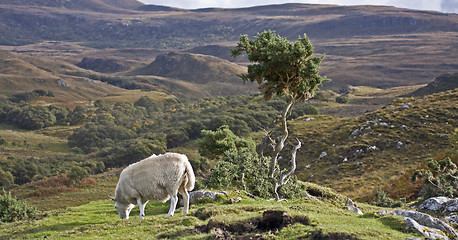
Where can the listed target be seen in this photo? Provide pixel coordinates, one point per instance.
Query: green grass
(99, 220)
(89, 214)
(21, 142)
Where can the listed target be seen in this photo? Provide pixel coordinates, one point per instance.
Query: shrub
(439, 178)
(12, 210)
(384, 201)
(77, 173)
(6, 178)
(242, 169)
(342, 99)
(215, 143)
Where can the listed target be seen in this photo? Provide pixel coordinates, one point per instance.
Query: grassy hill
(324, 218)
(362, 154)
(442, 83)
(358, 155)
(21, 73)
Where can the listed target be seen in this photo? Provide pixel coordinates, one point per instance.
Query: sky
(448, 6)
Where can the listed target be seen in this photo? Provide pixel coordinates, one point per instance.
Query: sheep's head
(123, 208)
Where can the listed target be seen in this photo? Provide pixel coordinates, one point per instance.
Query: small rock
(194, 195)
(235, 200)
(407, 105)
(62, 83)
(353, 207)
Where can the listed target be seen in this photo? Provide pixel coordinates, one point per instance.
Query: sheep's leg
(185, 196)
(173, 204)
(141, 205)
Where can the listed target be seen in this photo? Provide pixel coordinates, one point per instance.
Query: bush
(215, 143)
(342, 99)
(439, 178)
(12, 210)
(242, 169)
(77, 173)
(383, 201)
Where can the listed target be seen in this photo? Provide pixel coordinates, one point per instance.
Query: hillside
(21, 73)
(364, 45)
(215, 76)
(114, 6)
(442, 83)
(381, 147)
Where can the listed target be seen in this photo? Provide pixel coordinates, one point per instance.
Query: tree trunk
(279, 143)
(284, 178)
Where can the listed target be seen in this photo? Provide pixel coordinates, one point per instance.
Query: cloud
(435, 5)
(449, 6)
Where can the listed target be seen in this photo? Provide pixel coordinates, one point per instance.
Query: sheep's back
(155, 177)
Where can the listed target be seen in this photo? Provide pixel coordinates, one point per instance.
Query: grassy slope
(23, 144)
(20, 73)
(365, 152)
(99, 220)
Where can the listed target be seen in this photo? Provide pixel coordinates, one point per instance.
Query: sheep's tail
(190, 176)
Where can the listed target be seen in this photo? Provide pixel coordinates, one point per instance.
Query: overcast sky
(450, 6)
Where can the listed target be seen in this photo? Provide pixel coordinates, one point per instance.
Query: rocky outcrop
(100, 65)
(440, 205)
(425, 224)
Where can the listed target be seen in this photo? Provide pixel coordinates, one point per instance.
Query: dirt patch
(271, 220)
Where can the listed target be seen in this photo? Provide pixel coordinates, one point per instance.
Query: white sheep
(154, 178)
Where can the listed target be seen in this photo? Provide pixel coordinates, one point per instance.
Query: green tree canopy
(281, 67)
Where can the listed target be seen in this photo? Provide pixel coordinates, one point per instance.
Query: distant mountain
(442, 83)
(219, 51)
(194, 68)
(154, 8)
(94, 5)
(172, 30)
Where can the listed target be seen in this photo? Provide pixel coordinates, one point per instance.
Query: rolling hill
(364, 45)
(92, 5)
(21, 73)
(442, 83)
(192, 67)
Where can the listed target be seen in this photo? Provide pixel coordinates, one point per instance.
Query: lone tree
(281, 68)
